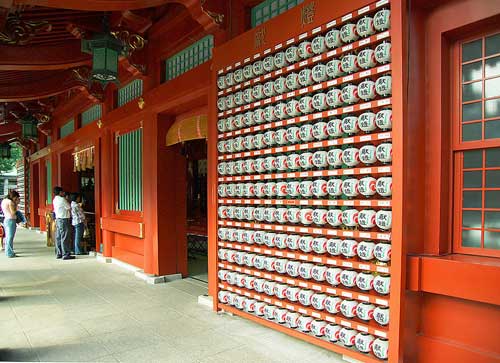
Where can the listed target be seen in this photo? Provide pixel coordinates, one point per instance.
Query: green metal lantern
(29, 127)
(105, 50)
(5, 151)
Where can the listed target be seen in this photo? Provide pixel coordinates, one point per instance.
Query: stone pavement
(86, 311)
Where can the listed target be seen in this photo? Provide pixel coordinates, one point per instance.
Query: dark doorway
(34, 195)
(80, 182)
(195, 152)
(86, 188)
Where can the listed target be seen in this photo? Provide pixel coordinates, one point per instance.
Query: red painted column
(212, 188)
(56, 181)
(68, 178)
(107, 188)
(149, 177)
(97, 191)
(42, 196)
(165, 247)
(34, 194)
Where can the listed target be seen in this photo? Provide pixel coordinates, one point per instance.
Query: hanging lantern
(105, 50)
(5, 151)
(29, 126)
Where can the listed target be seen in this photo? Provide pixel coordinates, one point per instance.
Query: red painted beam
(98, 5)
(199, 14)
(460, 276)
(9, 138)
(48, 57)
(70, 108)
(194, 7)
(9, 129)
(60, 82)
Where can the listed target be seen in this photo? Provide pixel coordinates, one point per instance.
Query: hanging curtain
(83, 159)
(190, 128)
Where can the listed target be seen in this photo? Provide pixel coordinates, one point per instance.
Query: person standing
(77, 220)
(63, 219)
(9, 209)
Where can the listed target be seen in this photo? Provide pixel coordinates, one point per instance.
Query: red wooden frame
(280, 29)
(459, 146)
(128, 214)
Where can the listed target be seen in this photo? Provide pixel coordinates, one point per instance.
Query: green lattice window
(270, 8)
(67, 129)
(189, 58)
(130, 171)
(48, 168)
(130, 92)
(91, 114)
(49, 140)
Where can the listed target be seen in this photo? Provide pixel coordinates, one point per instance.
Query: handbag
(86, 232)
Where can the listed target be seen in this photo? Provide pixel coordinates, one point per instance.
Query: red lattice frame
(459, 147)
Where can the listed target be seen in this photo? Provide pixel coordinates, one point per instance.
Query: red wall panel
(130, 244)
(438, 350)
(461, 325)
(453, 315)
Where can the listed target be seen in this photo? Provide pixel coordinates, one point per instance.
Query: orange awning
(190, 128)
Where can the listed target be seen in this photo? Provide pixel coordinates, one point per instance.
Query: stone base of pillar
(150, 279)
(206, 300)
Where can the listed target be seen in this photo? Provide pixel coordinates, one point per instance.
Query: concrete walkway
(86, 311)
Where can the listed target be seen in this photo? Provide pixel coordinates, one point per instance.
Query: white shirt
(61, 207)
(7, 206)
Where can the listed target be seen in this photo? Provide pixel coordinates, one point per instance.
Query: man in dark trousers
(62, 210)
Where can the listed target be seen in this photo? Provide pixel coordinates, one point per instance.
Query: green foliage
(16, 153)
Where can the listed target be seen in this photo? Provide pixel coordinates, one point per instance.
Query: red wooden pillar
(106, 173)
(165, 248)
(106, 187)
(34, 194)
(97, 191)
(68, 178)
(42, 196)
(149, 177)
(54, 164)
(180, 211)
(212, 189)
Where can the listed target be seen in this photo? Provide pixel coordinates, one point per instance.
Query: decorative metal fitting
(21, 32)
(141, 103)
(216, 17)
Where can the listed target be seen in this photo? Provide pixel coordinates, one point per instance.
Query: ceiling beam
(10, 138)
(10, 129)
(201, 15)
(4, 12)
(60, 82)
(131, 21)
(95, 5)
(42, 57)
(195, 7)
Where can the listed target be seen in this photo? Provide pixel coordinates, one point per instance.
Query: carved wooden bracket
(207, 19)
(132, 44)
(82, 74)
(42, 117)
(217, 18)
(20, 32)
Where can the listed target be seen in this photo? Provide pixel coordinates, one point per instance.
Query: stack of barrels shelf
(21, 186)
(305, 185)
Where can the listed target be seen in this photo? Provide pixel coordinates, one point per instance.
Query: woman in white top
(9, 209)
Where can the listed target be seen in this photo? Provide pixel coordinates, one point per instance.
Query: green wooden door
(130, 171)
